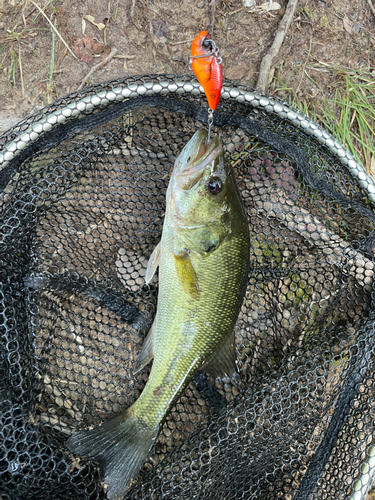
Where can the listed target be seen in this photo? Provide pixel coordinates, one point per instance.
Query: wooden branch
(267, 60)
(371, 6)
(98, 66)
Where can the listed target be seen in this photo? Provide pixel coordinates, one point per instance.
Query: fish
(205, 61)
(203, 261)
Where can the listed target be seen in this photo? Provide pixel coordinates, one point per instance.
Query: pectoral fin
(223, 363)
(146, 353)
(186, 273)
(153, 263)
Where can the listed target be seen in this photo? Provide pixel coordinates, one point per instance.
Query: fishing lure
(205, 61)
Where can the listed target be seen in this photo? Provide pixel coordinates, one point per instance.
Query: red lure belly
(206, 64)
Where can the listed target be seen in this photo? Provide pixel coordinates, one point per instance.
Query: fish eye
(214, 185)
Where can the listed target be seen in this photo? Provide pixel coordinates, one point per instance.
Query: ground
(155, 36)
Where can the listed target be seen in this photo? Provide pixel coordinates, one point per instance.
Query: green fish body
(203, 260)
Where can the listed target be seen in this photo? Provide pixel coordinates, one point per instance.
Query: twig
(98, 66)
(213, 12)
(371, 6)
(267, 60)
(235, 11)
(54, 28)
(23, 15)
(182, 41)
(21, 73)
(139, 28)
(119, 56)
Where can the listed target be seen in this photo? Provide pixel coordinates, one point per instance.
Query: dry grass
(16, 46)
(349, 115)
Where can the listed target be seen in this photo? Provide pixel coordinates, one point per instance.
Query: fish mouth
(195, 158)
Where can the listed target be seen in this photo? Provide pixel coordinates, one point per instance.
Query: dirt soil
(154, 36)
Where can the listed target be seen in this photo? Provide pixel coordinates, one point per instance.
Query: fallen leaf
(105, 52)
(80, 49)
(86, 47)
(347, 25)
(91, 19)
(83, 26)
(265, 6)
(98, 47)
(88, 42)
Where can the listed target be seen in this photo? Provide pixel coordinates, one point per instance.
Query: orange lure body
(206, 64)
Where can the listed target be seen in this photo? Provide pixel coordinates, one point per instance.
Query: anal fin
(223, 363)
(153, 263)
(146, 353)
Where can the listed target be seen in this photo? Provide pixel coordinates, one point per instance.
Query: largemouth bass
(203, 260)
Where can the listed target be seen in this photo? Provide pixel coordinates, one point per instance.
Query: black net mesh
(81, 209)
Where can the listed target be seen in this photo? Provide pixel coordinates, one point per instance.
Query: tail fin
(120, 445)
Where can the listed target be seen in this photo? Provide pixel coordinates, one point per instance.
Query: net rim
(122, 90)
